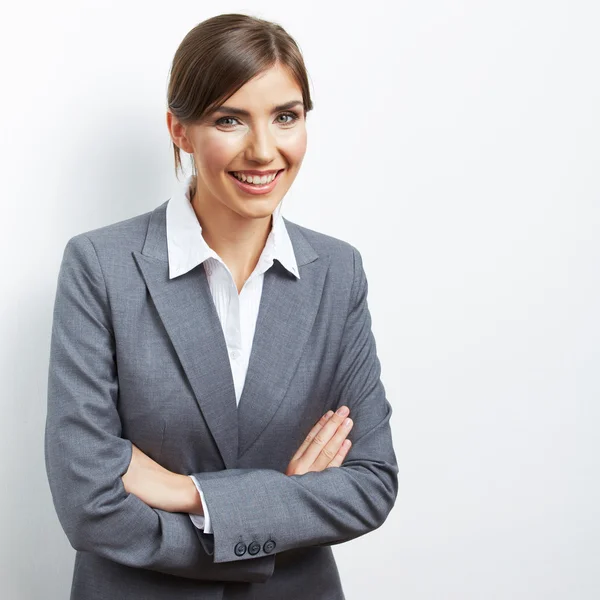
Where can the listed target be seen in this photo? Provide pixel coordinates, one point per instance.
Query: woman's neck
(238, 241)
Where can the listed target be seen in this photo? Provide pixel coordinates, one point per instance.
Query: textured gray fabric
(138, 358)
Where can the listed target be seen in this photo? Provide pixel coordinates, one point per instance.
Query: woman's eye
(220, 121)
(293, 117)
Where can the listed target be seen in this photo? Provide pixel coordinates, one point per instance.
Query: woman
(200, 353)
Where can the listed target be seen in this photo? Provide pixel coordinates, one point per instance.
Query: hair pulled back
(218, 56)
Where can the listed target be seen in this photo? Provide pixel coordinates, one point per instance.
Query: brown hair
(218, 56)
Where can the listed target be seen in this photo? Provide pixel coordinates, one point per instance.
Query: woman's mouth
(256, 188)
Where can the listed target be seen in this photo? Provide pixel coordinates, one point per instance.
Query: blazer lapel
(287, 310)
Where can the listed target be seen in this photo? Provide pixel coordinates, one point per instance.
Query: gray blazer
(138, 358)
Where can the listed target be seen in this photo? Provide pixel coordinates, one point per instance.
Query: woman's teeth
(256, 180)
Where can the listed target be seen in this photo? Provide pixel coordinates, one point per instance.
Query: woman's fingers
(341, 455)
(332, 448)
(333, 428)
(311, 435)
(324, 446)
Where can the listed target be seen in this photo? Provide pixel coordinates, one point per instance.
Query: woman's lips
(251, 188)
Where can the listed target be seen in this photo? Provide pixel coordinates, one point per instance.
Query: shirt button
(235, 354)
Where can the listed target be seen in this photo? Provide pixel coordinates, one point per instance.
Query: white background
(456, 144)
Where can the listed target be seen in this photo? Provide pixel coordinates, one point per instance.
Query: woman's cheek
(217, 153)
(294, 144)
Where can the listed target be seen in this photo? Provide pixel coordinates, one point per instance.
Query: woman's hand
(325, 446)
(160, 488)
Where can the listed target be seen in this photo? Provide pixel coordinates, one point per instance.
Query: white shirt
(187, 249)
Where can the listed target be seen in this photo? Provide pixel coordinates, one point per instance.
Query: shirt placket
(233, 334)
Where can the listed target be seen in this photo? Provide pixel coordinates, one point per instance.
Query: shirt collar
(187, 247)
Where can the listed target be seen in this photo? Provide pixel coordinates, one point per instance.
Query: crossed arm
(86, 457)
(325, 446)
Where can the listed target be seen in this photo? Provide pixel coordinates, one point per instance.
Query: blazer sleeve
(337, 504)
(85, 453)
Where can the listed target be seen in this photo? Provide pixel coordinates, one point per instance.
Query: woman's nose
(261, 145)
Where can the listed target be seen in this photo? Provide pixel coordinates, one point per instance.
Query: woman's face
(259, 135)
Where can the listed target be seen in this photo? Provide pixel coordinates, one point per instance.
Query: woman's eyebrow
(245, 113)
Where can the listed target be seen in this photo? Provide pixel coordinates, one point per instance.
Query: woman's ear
(178, 133)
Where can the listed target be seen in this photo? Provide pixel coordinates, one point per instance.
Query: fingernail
(342, 411)
(347, 422)
(328, 414)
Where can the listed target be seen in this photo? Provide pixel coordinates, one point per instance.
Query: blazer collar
(187, 248)
(287, 311)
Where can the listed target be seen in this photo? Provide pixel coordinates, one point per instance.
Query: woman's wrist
(160, 488)
(188, 495)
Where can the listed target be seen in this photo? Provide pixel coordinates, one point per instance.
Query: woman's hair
(220, 55)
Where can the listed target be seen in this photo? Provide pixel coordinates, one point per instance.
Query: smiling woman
(206, 355)
(254, 151)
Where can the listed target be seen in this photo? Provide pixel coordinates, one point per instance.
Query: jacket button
(240, 549)
(254, 548)
(269, 546)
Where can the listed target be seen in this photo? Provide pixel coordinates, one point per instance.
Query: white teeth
(256, 180)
